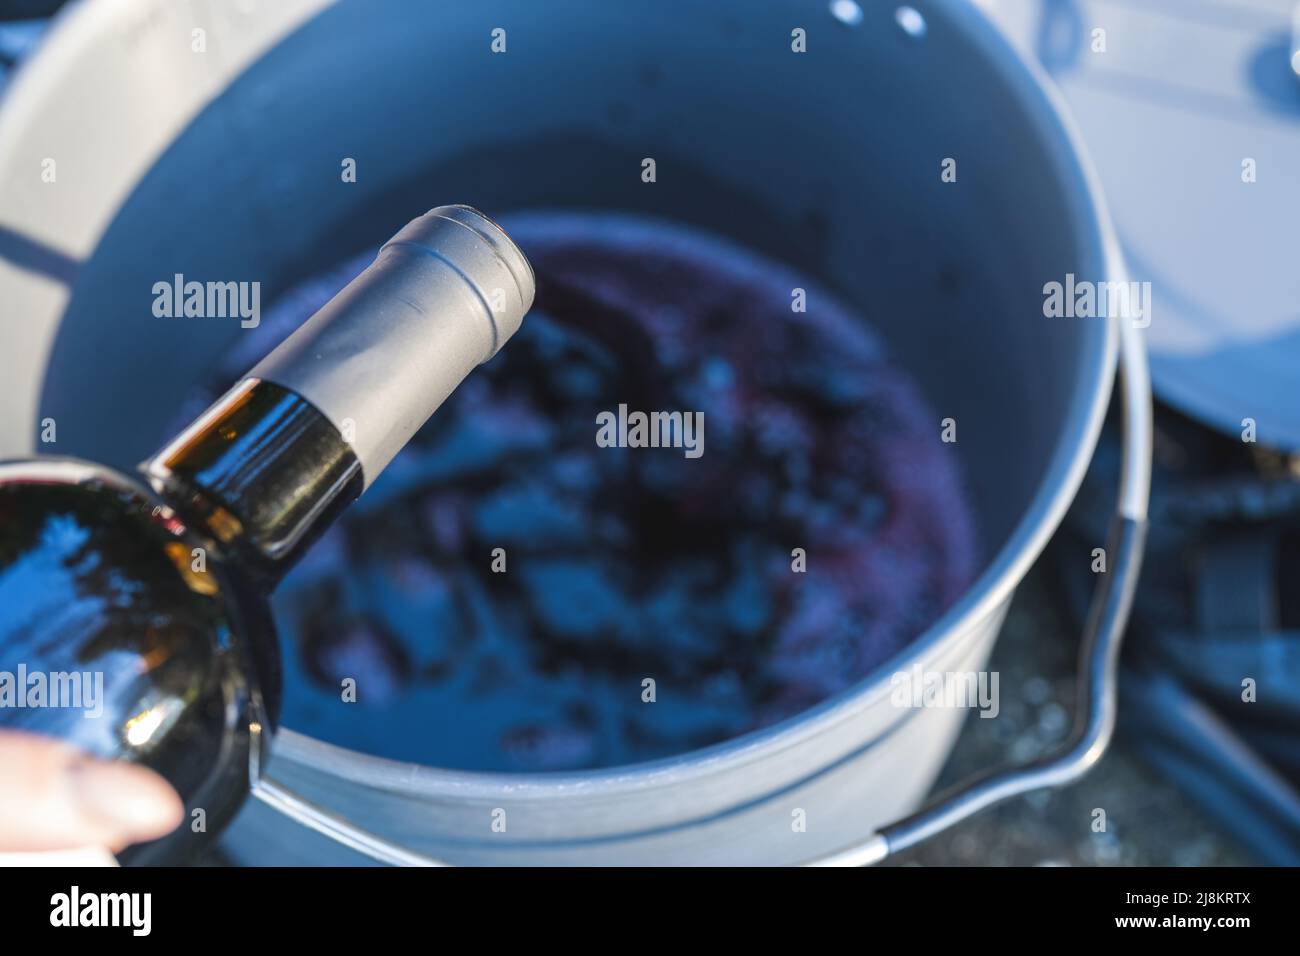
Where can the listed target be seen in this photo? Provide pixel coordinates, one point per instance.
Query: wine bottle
(133, 610)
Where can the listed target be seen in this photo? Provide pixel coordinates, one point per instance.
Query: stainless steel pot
(226, 162)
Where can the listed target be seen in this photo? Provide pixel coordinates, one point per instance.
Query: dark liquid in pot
(622, 564)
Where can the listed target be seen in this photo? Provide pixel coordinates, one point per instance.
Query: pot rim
(989, 593)
(992, 589)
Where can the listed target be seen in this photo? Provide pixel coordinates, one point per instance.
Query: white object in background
(1191, 113)
(1295, 41)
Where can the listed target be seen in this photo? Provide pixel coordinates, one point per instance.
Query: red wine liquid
(626, 565)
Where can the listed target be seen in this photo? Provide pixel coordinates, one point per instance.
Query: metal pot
(227, 162)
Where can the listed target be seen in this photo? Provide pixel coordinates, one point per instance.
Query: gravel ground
(1148, 822)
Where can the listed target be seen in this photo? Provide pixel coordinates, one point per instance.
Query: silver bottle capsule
(442, 297)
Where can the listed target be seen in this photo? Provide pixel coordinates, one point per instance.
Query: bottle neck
(263, 472)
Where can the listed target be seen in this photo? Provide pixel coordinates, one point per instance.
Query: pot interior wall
(829, 160)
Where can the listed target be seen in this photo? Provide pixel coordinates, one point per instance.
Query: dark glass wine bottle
(133, 611)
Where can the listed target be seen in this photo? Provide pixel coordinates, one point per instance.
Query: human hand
(55, 797)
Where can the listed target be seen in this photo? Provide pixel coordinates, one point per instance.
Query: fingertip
(54, 797)
(132, 802)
